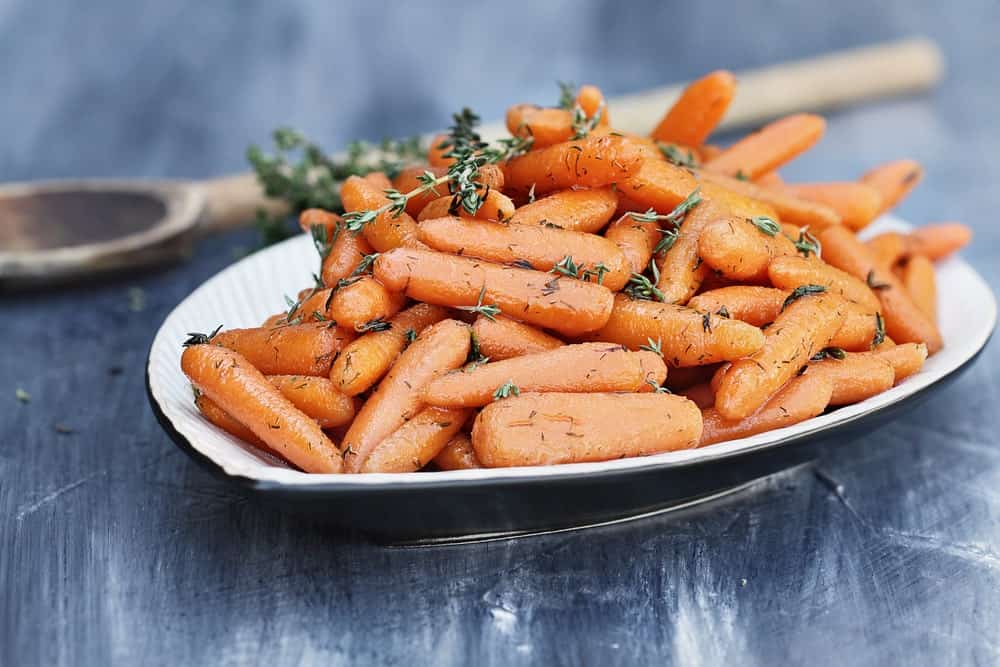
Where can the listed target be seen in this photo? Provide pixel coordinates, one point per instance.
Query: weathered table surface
(116, 547)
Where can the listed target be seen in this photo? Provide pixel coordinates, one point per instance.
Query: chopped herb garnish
(674, 155)
(641, 287)
(489, 311)
(506, 390)
(706, 322)
(321, 241)
(651, 346)
(676, 216)
(723, 312)
(741, 175)
(800, 292)
(567, 95)
(658, 388)
(377, 324)
(870, 280)
(410, 335)
(766, 225)
(195, 338)
(830, 353)
(879, 336)
(567, 267)
(807, 243)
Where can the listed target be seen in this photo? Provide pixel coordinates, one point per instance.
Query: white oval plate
(247, 292)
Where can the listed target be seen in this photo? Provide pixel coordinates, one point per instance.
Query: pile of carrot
(614, 295)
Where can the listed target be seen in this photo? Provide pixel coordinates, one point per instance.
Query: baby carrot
(894, 180)
(905, 359)
(297, 349)
(770, 147)
(316, 216)
(789, 272)
(800, 399)
(685, 336)
(566, 305)
(658, 185)
(918, 278)
(937, 241)
(586, 367)
(316, 398)
(412, 446)
(742, 249)
(503, 338)
(747, 303)
(858, 331)
(243, 392)
(789, 209)
(591, 162)
(903, 320)
(365, 360)
(545, 429)
(440, 348)
(378, 180)
(546, 125)
(457, 454)
(408, 180)
(347, 250)
(362, 303)
(739, 205)
(855, 377)
(636, 239)
(698, 110)
(804, 328)
(857, 203)
(591, 100)
(213, 413)
(574, 210)
(769, 180)
(888, 248)
(530, 246)
(496, 206)
(436, 152)
(387, 231)
(681, 270)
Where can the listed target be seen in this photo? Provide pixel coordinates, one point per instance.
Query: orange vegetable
(504, 338)
(903, 320)
(591, 100)
(585, 368)
(857, 332)
(316, 216)
(387, 231)
(681, 270)
(789, 272)
(436, 152)
(856, 203)
(789, 209)
(658, 185)
(894, 180)
(769, 180)
(416, 442)
(243, 392)
(747, 303)
(457, 454)
(855, 377)
(741, 250)
(408, 180)
(800, 399)
(297, 349)
(905, 359)
(347, 250)
(545, 429)
(532, 246)
(888, 248)
(563, 304)
(636, 239)
(770, 147)
(316, 397)
(937, 241)
(546, 125)
(592, 162)
(365, 360)
(438, 349)
(363, 302)
(496, 206)
(213, 413)
(804, 328)
(686, 336)
(919, 280)
(698, 110)
(574, 210)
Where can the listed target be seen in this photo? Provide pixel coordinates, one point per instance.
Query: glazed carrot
(436, 152)
(583, 368)
(918, 279)
(698, 110)
(438, 349)
(545, 125)
(856, 203)
(747, 303)
(239, 389)
(496, 206)
(937, 241)
(894, 180)
(365, 360)
(532, 246)
(888, 248)
(347, 250)
(636, 239)
(363, 302)
(905, 359)
(213, 413)
(317, 398)
(408, 180)
(685, 336)
(789, 272)
(742, 250)
(574, 210)
(789, 209)
(387, 231)
(701, 394)
(298, 349)
(378, 180)
(545, 429)
(709, 151)
(566, 305)
(857, 332)
(591, 162)
(806, 326)
(503, 338)
(457, 454)
(658, 185)
(591, 100)
(903, 320)
(770, 147)
(769, 180)
(681, 269)
(412, 446)
(275, 320)
(855, 377)
(317, 216)
(800, 399)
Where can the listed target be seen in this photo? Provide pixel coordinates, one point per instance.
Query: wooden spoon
(64, 230)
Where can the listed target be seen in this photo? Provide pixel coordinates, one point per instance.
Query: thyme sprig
(567, 267)
(641, 287)
(801, 291)
(506, 390)
(807, 243)
(830, 353)
(653, 346)
(870, 280)
(766, 225)
(487, 310)
(195, 338)
(675, 156)
(879, 336)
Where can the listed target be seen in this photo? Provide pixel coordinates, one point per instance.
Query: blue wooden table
(116, 548)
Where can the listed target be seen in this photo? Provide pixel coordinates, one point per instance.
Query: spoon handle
(232, 201)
